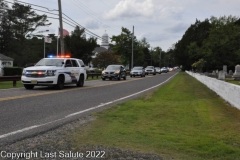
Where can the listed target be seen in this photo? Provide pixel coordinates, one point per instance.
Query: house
(5, 62)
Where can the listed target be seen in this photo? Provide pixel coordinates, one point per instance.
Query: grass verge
(182, 120)
(9, 84)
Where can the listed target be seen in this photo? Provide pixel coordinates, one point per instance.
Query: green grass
(182, 119)
(237, 82)
(9, 84)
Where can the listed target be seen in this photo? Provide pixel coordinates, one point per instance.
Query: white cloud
(128, 9)
(91, 24)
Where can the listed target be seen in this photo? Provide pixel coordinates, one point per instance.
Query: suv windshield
(50, 62)
(113, 68)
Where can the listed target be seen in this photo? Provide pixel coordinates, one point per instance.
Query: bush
(12, 71)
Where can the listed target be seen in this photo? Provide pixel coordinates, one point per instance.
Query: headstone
(221, 75)
(230, 72)
(225, 69)
(214, 73)
(236, 74)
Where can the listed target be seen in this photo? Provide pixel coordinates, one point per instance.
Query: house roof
(3, 57)
(100, 49)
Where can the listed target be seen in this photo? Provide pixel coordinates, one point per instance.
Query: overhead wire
(94, 15)
(74, 22)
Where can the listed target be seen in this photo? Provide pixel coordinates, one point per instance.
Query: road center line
(80, 112)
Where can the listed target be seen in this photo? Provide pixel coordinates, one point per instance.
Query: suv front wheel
(80, 82)
(60, 82)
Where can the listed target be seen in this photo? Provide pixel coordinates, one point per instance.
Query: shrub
(12, 71)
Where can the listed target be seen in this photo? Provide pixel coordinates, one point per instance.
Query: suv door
(68, 70)
(75, 71)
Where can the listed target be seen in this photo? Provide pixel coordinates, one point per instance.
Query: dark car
(114, 72)
(137, 71)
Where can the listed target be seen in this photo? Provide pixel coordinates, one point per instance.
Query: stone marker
(225, 69)
(236, 74)
(230, 72)
(221, 75)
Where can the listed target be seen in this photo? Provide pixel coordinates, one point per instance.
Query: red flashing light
(64, 56)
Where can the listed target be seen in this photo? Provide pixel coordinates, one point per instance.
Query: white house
(5, 62)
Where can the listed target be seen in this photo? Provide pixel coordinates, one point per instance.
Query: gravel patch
(54, 145)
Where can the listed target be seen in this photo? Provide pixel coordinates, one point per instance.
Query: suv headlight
(50, 72)
(103, 72)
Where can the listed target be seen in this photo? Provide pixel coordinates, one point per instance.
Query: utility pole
(160, 58)
(132, 47)
(61, 26)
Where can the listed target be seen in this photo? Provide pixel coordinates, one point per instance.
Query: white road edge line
(80, 112)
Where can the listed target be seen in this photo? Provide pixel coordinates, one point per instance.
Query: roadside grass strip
(9, 84)
(182, 119)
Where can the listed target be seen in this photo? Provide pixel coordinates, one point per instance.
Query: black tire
(28, 86)
(80, 82)
(103, 79)
(60, 83)
(125, 77)
(119, 77)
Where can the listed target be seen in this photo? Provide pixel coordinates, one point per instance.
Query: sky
(161, 22)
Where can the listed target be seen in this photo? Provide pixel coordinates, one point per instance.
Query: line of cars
(119, 72)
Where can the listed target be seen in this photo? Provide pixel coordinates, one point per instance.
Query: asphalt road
(25, 113)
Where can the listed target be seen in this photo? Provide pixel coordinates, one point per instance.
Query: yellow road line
(54, 92)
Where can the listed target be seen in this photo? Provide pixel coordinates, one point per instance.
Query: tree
(104, 59)
(17, 23)
(79, 46)
(123, 45)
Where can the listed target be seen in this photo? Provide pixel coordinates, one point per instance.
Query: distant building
(5, 62)
(103, 47)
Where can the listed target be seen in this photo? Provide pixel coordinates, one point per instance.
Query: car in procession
(137, 71)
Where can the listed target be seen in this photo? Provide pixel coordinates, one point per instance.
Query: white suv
(55, 72)
(150, 70)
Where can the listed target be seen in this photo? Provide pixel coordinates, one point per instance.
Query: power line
(86, 30)
(92, 14)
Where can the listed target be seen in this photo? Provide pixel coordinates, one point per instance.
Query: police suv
(55, 72)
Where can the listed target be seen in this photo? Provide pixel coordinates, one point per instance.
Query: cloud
(91, 24)
(128, 9)
(144, 11)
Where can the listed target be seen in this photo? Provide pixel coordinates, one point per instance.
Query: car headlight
(103, 72)
(117, 71)
(50, 72)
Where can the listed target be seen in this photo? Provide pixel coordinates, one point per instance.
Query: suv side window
(81, 63)
(74, 63)
(68, 63)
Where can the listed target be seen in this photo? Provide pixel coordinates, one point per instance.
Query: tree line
(210, 44)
